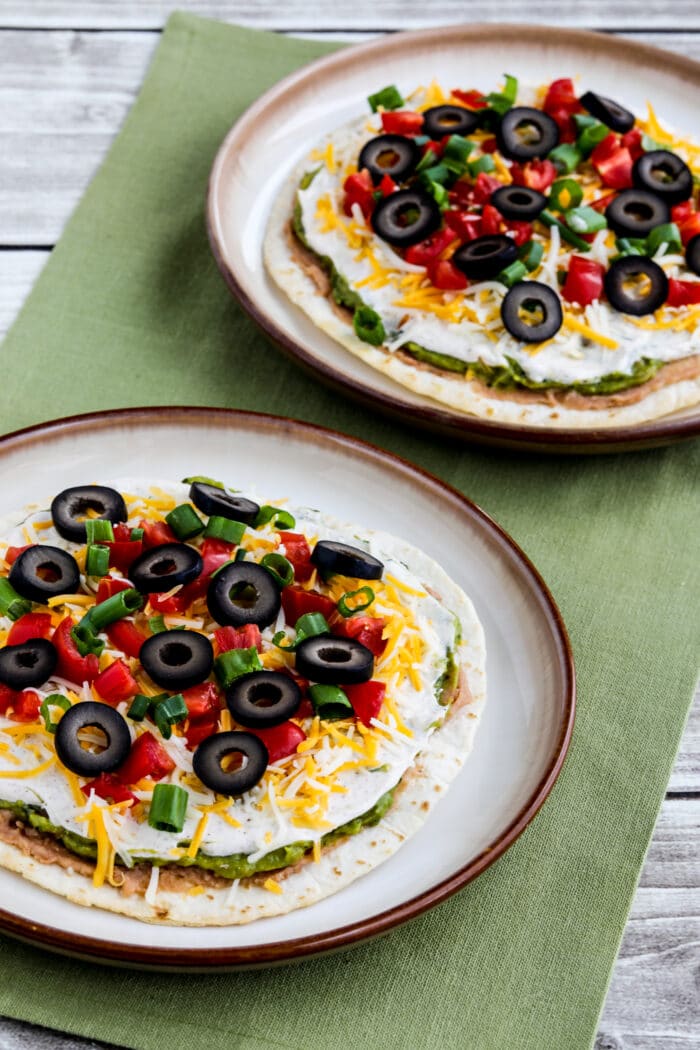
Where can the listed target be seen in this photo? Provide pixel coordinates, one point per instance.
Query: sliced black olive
(70, 507)
(334, 661)
(485, 257)
(215, 501)
(392, 155)
(518, 202)
(692, 254)
(341, 558)
(27, 664)
(100, 716)
(531, 312)
(406, 217)
(177, 659)
(525, 133)
(208, 759)
(665, 174)
(448, 120)
(609, 112)
(635, 213)
(243, 592)
(43, 571)
(636, 285)
(263, 698)
(162, 568)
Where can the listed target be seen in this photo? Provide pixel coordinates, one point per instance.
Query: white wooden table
(69, 71)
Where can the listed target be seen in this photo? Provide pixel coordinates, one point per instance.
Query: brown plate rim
(439, 418)
(206, 960)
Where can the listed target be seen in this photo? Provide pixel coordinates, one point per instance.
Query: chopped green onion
(456, 152)
(439, 194)
(136, 535)
(139, 707)
(166, 712)
(631, 245)
(307, 626)
(568, 235)
(168, 808)
(484, 163)
(438, 173)
(97, 560)
(368, 326)
(54, 700)
(123, 603)
(585, 220)
(185, 522)
(649, 144)
(513, 273)
(282, 518)
(367, 598)
(232, 664)
(591, 136)
(388, 98)
(97, 530)
(583, 121)
(241, 554)
(531, 254)
(330, 703)
(566, 158)
(85, 638)
(428, 160)
(667, 233)
(224, 529)
(207, 481)
(12, 604)
(565, 194)
(501, 101)
(156, 624)
(279, 567)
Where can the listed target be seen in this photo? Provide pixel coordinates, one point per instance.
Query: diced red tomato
(484, 187)
(110, 585)
(7, 698)
(462, 193)
(683, 293)
(366, 699)
(522, 231)
(466, 226)
(156, 533)
(536, 174)
(13, 553)
(203, 701)
(31, 625)
(305, 709)
(147, 758)
(296, 601)
(122, 553)
(445, 275)
(116, 683)
(426, 251)
(359, 189)
(298, 553)
(367, 630)
(690, 228)
(387, 185)
(281, 740)
(71, 664)
(435, 147)
(601, 203)
(108, 787)
(584, 281)
(175, 603)
(489, 145)
(561, 95)
(26, 706)
(491, 220)
(680, 213)
(632, 141)
(227, 638)
(125, 635)
(402, 122)
(196, 732)
(613, 163)
(471, 99)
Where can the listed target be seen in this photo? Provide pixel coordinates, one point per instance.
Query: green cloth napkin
(130, 310)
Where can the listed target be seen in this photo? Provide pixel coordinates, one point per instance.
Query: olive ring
(635, 213)
(69, 508)
(164, 567)
(263, 699)
(331, 557)
(42, 571)
(449, 120)
(485, 257)
(406, 217)
(207, 762)
(87, 763)
(27, 664)
(212, 500)
(544, 299)
(243, 592)
(334, 661)
(177, 659)
(393, 155)
(541, 138)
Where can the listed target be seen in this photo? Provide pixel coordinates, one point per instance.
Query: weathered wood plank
(686, 772)
(390, 14)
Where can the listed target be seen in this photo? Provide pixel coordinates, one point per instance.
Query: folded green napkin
(130, 310)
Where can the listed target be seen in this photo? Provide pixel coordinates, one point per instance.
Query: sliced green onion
(501, 101)
(439, 194)
(241, 554)
(439, 173)
(367, 598)
(97, 530)
(583, 120)
(631, 245)
(667, 233)
(565, 194)
(12, 604)
(167, 712)
(484, 163)
(168, 807)
(156, 624)
(513, 273)
(206, 481)
(282, 518)
(368, 326)
(97, 560)
(307, 626)
(224, 529)
(330, 703)
(185, 521)
(388, 98)
(585, 220)
(456, 152)
(54, 700)
(136, 535)
(85, 638)
(279, 567)
(428, 160)
(591, 136)
(124, 603)
(231, 665)
(531, 254)
(139, 707)
(568, 235)
(566, 157)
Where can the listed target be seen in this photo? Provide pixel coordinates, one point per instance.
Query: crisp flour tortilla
(676, 386)
(219, 902)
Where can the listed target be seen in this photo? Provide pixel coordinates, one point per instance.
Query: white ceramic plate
(281, 128)
(521, 741)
